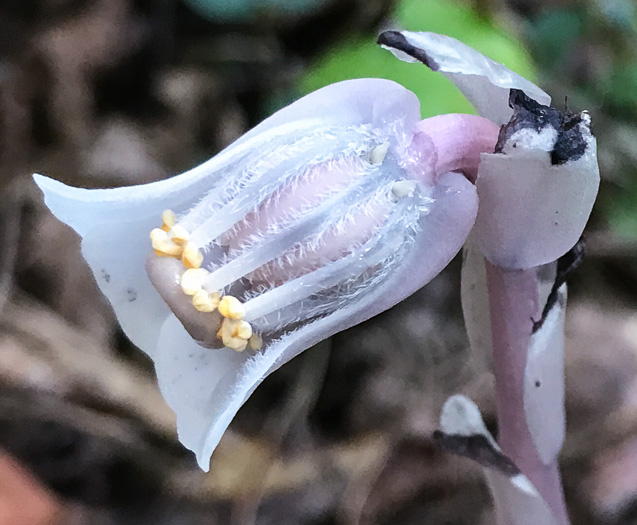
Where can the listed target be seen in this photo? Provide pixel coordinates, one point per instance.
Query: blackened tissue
(529, 114)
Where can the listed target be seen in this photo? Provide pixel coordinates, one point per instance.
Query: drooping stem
(513, 302)
(459, 140)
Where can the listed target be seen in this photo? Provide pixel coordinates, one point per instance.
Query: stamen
(403, 188)
(191, 257)
(273, 171)
(242, 330)
(162, 244)
(242, 166)
(369, 255)
(179, 234)
(310, 227)
(205, 302)
(378, 154)
(169, 219)
(192, 280)
(316, 221)
(235, 334)
(231, 307)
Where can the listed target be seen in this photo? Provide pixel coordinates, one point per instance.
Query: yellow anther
(255, 342)
(158, 235)
(163, 245)
(179, 234)
(378, 154)
(192, 280)
(169, 219)
(242, 330)
(235, 334)
(205, 302)
(191, 257)
(231, 307)
(238, 345)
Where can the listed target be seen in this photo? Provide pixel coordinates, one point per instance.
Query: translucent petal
(364, 100)
(544, 384)
(206, 388)
(116, 253)
(115, 223)
(484, 82)
(532, 211)
(475, 305)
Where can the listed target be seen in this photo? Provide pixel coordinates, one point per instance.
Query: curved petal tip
(484, 82)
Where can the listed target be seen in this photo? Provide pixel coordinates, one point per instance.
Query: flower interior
(301, 228)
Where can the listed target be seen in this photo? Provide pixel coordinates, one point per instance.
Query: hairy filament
(318, 220)
(369, 255)
(228, 204)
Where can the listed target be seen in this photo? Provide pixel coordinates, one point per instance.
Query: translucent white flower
(330, 211)
(327, 213)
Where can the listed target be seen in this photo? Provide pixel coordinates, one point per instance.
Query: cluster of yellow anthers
(172, 240)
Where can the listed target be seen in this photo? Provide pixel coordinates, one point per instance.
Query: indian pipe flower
(327, 213)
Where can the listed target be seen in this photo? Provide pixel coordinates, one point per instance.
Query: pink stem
(513, 301)
(459, 140)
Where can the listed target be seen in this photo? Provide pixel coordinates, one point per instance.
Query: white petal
(531, 211)
(115, 223)
(484, 82)
(376, 101)
(364, 100)
(544, 384)
(475, 304)
(206, 388)
(117, 253)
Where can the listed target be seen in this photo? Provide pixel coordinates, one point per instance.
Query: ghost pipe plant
(330, 211)
(536, 191)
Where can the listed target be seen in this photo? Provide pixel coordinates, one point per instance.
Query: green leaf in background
(362, 57)
(620, 210)
(622, 86)
(554, 34)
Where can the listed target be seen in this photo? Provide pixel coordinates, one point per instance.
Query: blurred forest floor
(111, 92)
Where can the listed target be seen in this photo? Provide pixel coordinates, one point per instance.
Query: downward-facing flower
(327, 213)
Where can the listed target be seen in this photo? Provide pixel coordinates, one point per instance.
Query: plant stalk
(514, 304)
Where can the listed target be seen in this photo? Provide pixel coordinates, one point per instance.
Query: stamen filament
(314, 222)
(369, 255)
(277, 171)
